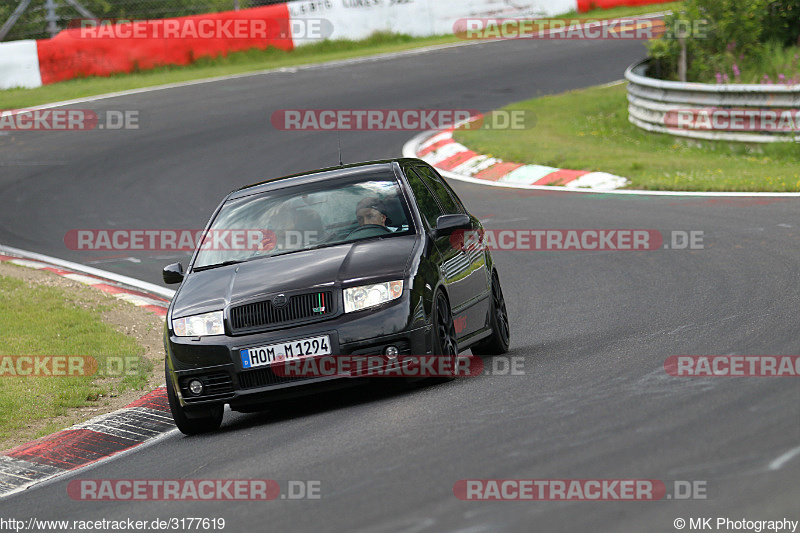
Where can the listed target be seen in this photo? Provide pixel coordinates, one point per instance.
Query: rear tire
(497, 343)
(191, 426)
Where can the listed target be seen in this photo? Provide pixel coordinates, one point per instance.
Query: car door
(466, 270)
(448, 259)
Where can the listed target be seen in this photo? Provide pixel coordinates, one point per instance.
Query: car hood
(214, 289)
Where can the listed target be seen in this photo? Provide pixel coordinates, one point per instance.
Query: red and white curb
(83, 444)
(101, 437)
(444, 153)
(152, 303)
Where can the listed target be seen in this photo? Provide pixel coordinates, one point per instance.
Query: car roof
(382, 168)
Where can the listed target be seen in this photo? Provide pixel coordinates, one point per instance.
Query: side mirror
(173, 273)
(447, 224)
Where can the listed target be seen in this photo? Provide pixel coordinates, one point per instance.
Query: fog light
(391, 352)
(196, 387)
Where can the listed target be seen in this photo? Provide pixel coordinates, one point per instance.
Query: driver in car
(371, 211)
(285, 221)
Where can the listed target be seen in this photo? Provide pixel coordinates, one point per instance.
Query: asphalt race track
(594, 328)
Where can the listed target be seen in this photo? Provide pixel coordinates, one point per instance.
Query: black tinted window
(442, 192)
(428, 207)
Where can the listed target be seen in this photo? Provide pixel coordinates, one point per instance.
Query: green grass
(43, 320)
(589, 130)
(256, 60)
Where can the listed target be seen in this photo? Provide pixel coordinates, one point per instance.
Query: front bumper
(216, 362)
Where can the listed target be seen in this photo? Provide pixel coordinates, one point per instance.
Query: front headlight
(358, 298)
(199, 325)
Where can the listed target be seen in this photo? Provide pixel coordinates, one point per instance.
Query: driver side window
(440, 190)
(428, 207)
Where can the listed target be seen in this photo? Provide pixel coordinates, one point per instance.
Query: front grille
(265, 376)
(300, 307)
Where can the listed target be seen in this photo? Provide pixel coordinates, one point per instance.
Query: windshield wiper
(224, 263)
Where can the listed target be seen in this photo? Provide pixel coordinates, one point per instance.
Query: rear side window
(442, 192)
(428, 207)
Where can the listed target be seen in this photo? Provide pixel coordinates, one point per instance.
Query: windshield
(303, 217)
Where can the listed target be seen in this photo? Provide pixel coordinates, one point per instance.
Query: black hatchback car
(361, 259)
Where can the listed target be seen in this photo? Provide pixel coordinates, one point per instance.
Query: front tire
(445, 343)
(497, 343)
(191, 426)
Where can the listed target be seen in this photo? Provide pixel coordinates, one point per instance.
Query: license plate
(271, 353)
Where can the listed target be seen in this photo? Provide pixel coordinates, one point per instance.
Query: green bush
(782, 22)
(737, 35)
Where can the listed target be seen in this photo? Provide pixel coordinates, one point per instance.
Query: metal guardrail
(653, 105)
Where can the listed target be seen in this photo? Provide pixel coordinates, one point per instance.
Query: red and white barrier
(587, 5)
(73, 54)
(357, 19)
(69, 55)
(19, 65)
